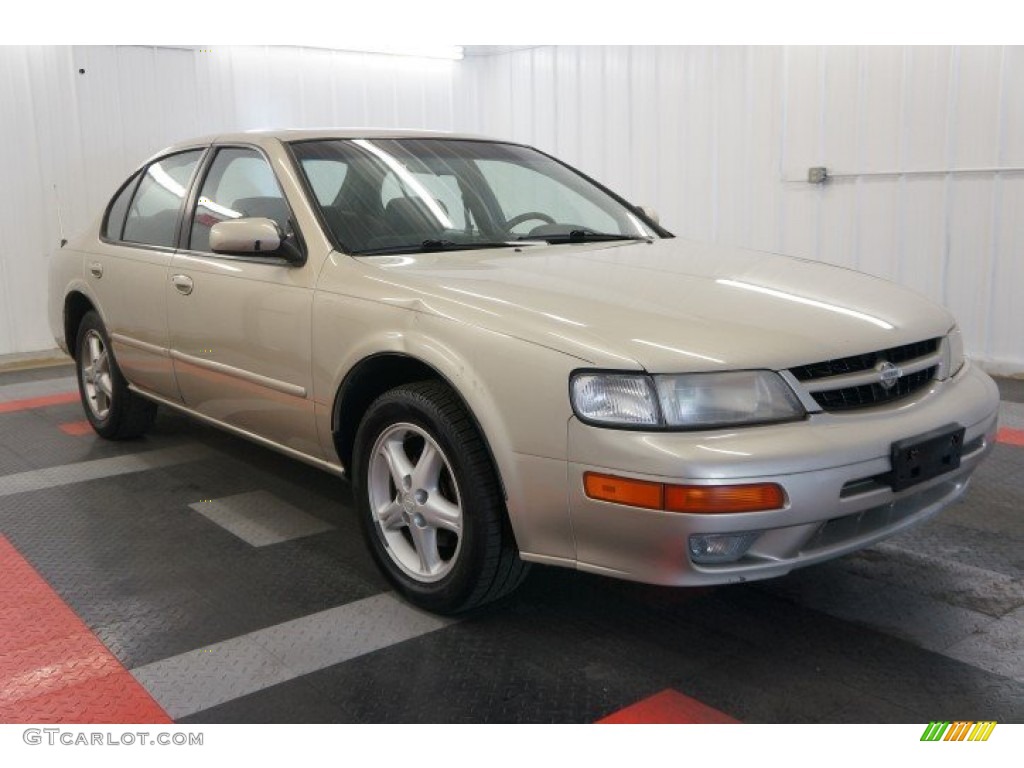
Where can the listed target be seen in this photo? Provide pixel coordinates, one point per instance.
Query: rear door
(240, 326)
(127, 271)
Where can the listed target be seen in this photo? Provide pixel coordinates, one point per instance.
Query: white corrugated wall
(718, 139)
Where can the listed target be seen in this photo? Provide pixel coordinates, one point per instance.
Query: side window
(114, 224)
(239, 184)
(153, 215)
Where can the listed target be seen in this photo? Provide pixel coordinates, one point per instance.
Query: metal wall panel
(719, 140)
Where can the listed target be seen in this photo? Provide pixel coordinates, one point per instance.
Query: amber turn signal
(697, 499)
(709, 499)
(622, 490)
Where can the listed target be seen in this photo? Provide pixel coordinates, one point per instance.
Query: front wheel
(430, 503)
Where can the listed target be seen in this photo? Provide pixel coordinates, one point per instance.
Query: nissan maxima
(512, 364)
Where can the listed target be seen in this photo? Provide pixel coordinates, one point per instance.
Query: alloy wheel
(96, 377)
(415, 502)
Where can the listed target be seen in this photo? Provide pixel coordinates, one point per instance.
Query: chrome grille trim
(867, 360)
(868, 377)
(856, 381)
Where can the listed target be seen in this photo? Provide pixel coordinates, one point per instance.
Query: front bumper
(829, 466)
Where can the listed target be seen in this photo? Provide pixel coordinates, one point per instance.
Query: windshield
(408, 195)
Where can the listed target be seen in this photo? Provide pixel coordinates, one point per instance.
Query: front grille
(872, 394)
(868, 394)
(865, 362)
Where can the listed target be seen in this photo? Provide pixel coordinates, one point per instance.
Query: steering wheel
(515, 221)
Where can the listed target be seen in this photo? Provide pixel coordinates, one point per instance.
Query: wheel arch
(515, 391)
(76, 306)
(374, 375)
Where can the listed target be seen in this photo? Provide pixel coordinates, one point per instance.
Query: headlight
(722, 399)
(615, 398)
(685, 401)
(952, 354)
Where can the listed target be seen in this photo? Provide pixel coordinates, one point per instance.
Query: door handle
(183, 283)
(97, 269)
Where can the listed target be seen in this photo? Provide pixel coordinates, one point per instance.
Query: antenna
(60, 220)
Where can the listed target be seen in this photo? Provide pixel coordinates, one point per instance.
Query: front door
(240, 327)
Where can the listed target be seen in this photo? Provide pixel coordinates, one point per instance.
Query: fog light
(714, 548)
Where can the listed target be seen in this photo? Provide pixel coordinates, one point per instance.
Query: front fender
(516, 390)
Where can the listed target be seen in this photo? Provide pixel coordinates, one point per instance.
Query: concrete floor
(233, 585)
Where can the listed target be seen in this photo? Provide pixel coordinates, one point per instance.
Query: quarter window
(153, 215)
(114, 224)
(240, 184)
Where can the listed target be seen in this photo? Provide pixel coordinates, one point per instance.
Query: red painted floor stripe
(38, 402)
(668, 707)
(1010, 436)
(52, 668)
(76, 428)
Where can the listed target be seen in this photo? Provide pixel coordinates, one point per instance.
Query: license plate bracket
(923, 457)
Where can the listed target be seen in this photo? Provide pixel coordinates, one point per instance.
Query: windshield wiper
(432, 246)
(583, 236)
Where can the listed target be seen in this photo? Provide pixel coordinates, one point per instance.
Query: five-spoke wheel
(415, 500)
(95, 364)
(430, 501)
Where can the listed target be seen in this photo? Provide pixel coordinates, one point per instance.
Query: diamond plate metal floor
(225, 614)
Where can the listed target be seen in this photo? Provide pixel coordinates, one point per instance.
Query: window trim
(137, 177)
(185, 231)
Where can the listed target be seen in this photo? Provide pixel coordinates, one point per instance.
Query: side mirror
(649, 213)
(246, 237)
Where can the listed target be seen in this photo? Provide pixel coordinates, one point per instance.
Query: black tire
(127, 414)
(485, 565)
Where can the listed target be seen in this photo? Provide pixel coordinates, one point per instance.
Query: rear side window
(153, 214)
(114, 224)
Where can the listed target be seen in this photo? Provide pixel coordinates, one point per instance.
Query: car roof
(306, 134)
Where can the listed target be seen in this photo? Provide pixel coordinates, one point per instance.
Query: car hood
(667, 306)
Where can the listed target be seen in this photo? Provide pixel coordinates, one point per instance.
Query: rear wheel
(430, 503)
(114, 411)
